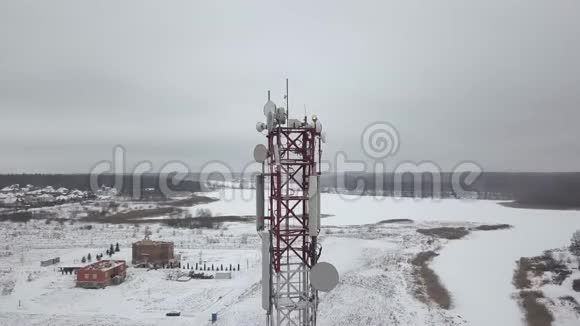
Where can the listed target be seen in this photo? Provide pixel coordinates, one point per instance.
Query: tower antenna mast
(288, 217)
(287, 102)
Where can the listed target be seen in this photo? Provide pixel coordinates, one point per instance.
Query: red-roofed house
(101, 274)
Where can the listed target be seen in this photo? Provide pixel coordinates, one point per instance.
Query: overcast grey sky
(496, 81)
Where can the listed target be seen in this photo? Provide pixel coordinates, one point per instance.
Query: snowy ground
(489, 256)
(561, 301)
(42, 295)
(373, 261)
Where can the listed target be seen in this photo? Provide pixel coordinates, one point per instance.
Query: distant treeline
(543, 189)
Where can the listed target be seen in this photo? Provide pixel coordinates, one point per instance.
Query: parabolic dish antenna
(260, 153)
(281, 116)
(323, 276)
(269, 107)
(270, 121)
(260, 126)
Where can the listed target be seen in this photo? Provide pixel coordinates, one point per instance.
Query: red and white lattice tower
(290, 224)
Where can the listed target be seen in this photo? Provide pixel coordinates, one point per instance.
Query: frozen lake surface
(478, 269)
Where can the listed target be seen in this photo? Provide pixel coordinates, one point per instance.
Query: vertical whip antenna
(287, 104)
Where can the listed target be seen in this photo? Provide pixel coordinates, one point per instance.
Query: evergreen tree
(89, 258)
(117, 248)
(112, 249)
(84, 260)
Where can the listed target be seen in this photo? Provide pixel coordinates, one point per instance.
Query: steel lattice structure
(294, 153)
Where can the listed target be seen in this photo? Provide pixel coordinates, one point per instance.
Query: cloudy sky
(496, 82)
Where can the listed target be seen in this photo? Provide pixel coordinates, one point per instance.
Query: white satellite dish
(260, 126)
(270, 121)
(269, 107)
(324, 276)
(318, 126)
(281, 116)
(260, 153)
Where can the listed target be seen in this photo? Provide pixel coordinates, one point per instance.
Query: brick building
(153, 252)
(101, 274)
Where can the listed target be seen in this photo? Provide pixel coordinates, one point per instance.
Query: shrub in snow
(575, 243)
(7, 287)
(561, 256)
(203, 212)
(212, 240)
(576, 285)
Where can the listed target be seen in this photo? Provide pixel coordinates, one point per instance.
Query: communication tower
(288, 217)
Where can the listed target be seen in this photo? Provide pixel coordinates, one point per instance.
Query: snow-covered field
(373, 260)
(489, 256)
